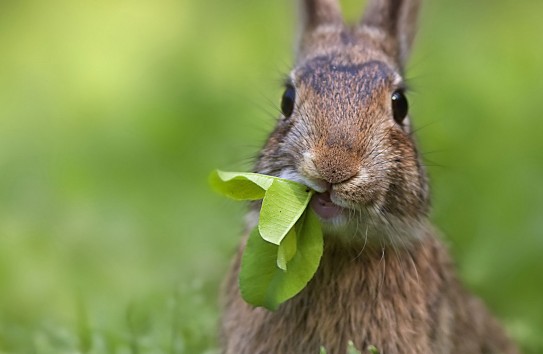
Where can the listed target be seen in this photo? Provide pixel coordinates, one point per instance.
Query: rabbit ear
(397, 20)
(315, 15)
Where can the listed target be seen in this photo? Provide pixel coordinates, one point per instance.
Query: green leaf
(240, 186)
(258, 269)
(262, 283)
(373, 350)
(287, 235)
(287, 249)
(283, 204)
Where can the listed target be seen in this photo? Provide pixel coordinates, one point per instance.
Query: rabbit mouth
(324, 207)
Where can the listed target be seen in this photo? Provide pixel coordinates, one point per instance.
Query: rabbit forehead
(333, 76)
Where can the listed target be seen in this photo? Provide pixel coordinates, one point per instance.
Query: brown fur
(385, 278)
(404, 301)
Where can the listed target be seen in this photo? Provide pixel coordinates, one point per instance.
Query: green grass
(112, 115)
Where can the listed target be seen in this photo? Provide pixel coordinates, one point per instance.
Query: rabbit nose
(336, 164)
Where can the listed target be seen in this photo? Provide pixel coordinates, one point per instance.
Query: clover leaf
(283, 252)
(283, 204)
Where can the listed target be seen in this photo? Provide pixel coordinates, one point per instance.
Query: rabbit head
(344, 129)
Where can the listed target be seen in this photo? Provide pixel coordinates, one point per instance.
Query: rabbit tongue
(324, 207)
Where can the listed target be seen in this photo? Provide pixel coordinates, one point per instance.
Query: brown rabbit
(385, 278)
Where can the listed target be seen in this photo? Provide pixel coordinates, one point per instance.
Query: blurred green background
(112, 114)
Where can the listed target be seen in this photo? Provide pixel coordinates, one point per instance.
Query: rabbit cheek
(405, 194)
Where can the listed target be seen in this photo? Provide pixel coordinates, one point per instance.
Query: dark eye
(399, 106)
(287, 102)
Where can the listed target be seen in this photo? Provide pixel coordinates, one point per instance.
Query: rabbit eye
(287, 102)
(399, 106)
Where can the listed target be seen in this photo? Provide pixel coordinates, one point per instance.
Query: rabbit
(385, 278)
